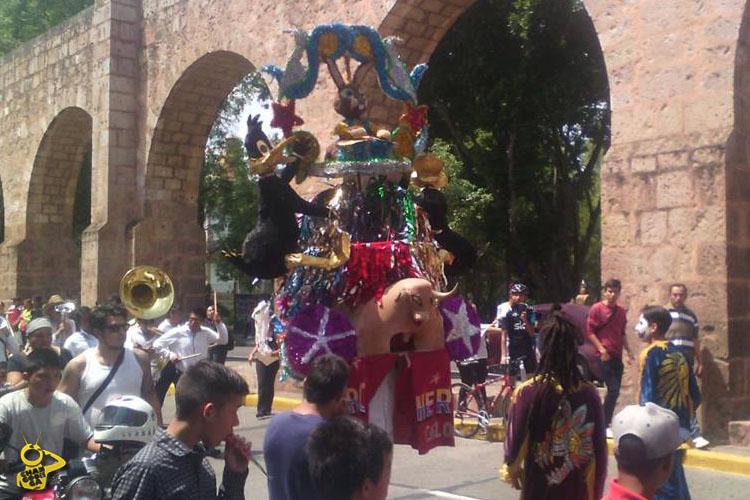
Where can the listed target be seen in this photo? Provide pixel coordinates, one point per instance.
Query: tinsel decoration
(374, 266)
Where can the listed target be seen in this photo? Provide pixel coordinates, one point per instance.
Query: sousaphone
(147, 292)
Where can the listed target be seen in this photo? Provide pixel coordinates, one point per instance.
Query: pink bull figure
(409, 307)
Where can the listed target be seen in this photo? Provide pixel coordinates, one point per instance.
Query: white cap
(37, 324)
(657, 427)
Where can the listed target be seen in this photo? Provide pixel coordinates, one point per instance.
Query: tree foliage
(22, 20)
(519, 90)
(227, 196)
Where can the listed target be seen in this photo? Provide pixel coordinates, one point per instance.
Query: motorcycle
(126, 425)
(74, 481)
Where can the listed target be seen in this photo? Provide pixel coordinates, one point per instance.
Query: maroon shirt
(560, 441)
(608, 324)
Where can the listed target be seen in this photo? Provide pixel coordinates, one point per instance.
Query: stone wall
(664, 180)
(45, 108)
(142, 80)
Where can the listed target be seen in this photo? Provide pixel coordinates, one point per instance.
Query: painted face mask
(642, 328)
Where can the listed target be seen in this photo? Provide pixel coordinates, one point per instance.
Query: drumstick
(191, 356)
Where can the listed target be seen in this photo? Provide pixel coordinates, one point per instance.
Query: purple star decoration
(318, 330)
(461, 327)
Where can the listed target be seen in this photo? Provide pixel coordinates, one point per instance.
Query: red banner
(422, 414)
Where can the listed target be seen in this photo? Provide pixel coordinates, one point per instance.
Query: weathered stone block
(739, 433)
(710, 258)
(713, 110)
(673, 189)
(652, 227)
(643, 164)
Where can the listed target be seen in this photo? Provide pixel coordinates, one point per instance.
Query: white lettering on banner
(435, 431)
(354, 399)
(437, 402)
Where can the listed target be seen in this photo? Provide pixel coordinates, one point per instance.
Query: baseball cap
(38, 324)
(657, 427)
(518, 288)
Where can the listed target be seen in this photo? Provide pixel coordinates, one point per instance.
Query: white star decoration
(463, 328)
(321, 339)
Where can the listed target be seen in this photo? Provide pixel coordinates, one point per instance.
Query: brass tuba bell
(147, 292)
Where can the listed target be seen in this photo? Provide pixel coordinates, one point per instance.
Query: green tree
(227, 196)
(518, 88)
(22, 20)
(467, 204)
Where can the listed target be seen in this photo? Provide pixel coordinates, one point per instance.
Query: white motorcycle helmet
(126, 419)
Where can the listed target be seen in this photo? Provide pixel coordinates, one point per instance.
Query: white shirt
(8, 341)
(167, 325)
(60, 338)
(62, 418)
(502, 311)
(136, 338)
(221, 329)
(126, 382)
(79, 342)
(262, 317)
(181, 342)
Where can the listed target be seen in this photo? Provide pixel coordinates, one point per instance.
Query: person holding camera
(518, 329)
(266, 357)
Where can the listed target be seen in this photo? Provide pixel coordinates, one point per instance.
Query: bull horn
(444, 295)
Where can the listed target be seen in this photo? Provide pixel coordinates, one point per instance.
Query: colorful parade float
(364, 264)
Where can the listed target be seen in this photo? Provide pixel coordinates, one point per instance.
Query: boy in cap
(666, 380)
(645, 440)
(39, 335)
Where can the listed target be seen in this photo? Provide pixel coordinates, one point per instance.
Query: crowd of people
(555, 445)
(65, 366)
(61, 369)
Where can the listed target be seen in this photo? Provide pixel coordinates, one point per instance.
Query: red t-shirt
(608, 324)
(618, 492)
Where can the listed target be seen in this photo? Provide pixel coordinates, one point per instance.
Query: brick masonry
(140, 81)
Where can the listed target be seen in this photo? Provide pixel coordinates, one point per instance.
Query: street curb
(710, 460)
(696, 459)
(279, 403)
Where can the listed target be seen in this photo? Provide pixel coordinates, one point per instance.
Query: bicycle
(472, 411)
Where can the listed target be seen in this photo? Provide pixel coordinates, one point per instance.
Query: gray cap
(657, 427)
(38, 324)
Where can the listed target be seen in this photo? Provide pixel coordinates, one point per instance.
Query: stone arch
(49, 260)
(735, 402)
(169, 235)
(421, 26)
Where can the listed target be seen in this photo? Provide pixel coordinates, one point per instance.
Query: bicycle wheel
(466, 411)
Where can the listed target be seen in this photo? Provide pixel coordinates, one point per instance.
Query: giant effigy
(364, 264)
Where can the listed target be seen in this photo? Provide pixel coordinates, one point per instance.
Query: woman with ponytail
(555, 445)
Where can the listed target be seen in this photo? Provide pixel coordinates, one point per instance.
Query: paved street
(468, 471)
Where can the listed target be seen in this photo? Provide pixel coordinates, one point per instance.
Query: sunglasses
(114, 328)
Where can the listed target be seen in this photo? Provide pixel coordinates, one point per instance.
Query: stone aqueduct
(141, 82)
